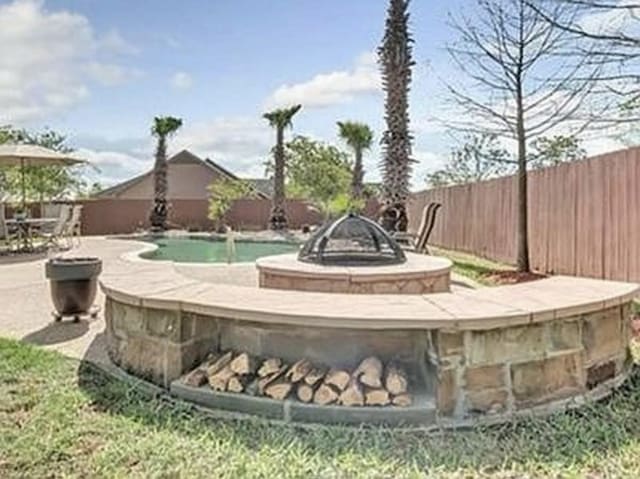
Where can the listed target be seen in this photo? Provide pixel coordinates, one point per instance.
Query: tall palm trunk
(395, 56)
(163, 127)
(159, 212)
(358, 176)
(279, 119)
(278, 220)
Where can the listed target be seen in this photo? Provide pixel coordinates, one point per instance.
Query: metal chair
(56, 236)
(73, 229)
(427, 223)
(6, 235)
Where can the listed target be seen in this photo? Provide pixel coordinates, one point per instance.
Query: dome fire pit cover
(352, 240)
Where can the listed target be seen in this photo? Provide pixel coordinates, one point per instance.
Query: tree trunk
(522, 237)
(395, 58)
(159, 212)
(278, 220)
(356, 181)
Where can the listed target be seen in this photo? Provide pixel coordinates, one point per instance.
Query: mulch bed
(512, 277)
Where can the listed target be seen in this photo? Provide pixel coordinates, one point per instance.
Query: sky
(99, 71)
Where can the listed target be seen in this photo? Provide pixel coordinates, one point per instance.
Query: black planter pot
(74, 283)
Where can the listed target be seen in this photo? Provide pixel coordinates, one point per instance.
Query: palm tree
(279, 119)
(359, 137)
(395, 58)
(163, 127)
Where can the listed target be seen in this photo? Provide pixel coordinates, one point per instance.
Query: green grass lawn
(481, 270)
(474, 267)
(61, 418)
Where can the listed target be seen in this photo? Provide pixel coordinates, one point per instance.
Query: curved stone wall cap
(544, 299)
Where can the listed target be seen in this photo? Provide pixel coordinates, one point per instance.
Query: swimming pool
(189, 249)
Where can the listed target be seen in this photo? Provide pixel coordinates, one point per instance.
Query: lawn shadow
(561, 440)
(57, 332)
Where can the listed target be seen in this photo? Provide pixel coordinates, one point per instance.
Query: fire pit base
(420, 274)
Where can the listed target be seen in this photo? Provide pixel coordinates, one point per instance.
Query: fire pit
(352, 240)
(355, 255)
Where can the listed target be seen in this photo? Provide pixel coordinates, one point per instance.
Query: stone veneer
(471, 354)
(494, 372)
(421, 274)
(505, 370)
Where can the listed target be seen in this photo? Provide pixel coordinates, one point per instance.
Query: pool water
(209, 250)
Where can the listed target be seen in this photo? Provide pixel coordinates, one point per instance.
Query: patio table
(25, 228)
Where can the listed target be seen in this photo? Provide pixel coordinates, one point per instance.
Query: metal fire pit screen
(352, 240)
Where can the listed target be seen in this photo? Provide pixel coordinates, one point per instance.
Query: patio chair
(6, 235)
(428, 221)
(56, 236)
(73, 228)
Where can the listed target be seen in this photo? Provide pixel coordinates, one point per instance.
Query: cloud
(111, 74)
(181, 81)
(113, 42)
(241, 145)
(172, 42)
(334, 88)
(47, 61)
(111, 167)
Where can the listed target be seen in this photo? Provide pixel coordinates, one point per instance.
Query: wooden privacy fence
(107, 216)
(584, 217)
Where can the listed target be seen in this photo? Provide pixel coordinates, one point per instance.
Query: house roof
(184, 157)
(262, 185)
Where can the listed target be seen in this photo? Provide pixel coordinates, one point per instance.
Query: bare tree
(613, 26)
(478, 158)
(519, 82)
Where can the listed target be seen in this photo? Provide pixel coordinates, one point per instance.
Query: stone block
(414, 286)
(163, 323)
(446, 392)
(564, 335)
(144, 358)
(448, 344)
(113, 347)
(484, 377)
(127, 320)
(603, 335)
(548, 379)
(600, 373)
(205, 326)
(507, 344)
(108, 313)
(442, 284)
(187, 327)
(485, 401)
(178, 360)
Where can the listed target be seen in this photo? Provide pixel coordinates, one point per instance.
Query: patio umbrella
(33, 155)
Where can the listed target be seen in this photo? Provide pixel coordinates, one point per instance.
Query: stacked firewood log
(369, 384)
